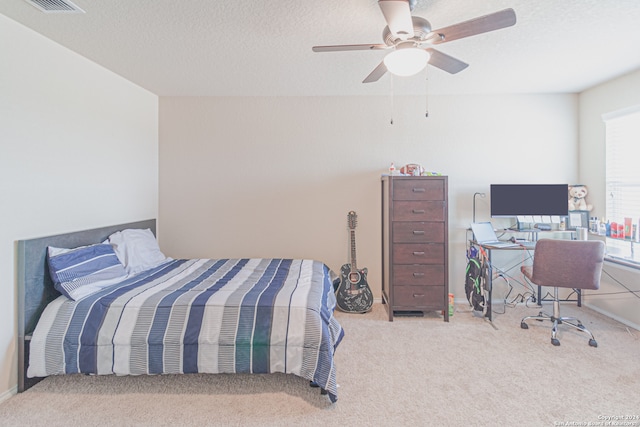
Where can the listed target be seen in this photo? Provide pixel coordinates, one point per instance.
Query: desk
(528, 246)
(488, 250)
(534, 233)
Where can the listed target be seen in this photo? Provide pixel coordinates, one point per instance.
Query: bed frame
(35, 288)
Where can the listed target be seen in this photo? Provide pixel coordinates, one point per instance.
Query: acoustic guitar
(353, 293)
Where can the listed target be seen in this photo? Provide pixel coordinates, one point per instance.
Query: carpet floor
(416, 371)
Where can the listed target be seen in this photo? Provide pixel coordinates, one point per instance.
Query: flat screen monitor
(511, 200)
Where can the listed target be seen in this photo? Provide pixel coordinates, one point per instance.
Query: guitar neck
(354, 265)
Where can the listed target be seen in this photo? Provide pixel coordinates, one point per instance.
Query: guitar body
(353, 294)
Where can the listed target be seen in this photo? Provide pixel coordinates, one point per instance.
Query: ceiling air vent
(55, 6)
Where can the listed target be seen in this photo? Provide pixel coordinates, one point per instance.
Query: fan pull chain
(391, 98)
(426, 96)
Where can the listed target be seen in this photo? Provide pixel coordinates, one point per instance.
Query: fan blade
(445, 62)
(483, 24)
(397, 13)
(345, 47)
(377, 72)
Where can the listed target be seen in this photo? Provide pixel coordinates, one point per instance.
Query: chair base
(557, 320)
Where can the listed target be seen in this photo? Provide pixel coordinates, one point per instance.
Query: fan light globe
(406, 62)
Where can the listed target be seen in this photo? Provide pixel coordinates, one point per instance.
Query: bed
(178, 316)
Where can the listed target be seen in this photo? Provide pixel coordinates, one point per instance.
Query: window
(623, 172)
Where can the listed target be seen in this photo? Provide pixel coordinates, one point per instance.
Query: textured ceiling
(263, 48)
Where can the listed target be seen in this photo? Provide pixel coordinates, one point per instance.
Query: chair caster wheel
(523, 325)
(593, 343)
(581, 326)
(555, 341)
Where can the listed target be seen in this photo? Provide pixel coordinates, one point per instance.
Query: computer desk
(487, 251)
(522, 246)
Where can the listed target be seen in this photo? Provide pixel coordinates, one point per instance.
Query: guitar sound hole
(354, 277)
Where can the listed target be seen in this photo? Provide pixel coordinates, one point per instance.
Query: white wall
(276, 177)
(616, 94)
(78, 149)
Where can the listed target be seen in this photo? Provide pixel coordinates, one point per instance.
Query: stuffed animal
(577, 198)
(412, 169)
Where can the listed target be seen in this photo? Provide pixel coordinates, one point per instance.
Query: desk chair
(573, 264)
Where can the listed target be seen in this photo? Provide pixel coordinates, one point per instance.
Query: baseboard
(8, 394)
(613, 316)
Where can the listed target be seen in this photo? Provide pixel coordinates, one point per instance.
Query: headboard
(35, 288)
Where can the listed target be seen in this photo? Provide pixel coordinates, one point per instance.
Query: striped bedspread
(200, 315)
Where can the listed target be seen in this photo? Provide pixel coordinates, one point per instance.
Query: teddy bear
(577, 198)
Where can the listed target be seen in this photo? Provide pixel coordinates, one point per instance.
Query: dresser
(415, 276)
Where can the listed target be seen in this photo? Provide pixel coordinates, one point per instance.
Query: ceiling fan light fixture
(406, 61)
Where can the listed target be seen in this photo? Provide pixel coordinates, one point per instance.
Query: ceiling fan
(411, 39)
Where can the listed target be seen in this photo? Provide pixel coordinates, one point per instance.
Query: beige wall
(78, 149)
(611, 96)
(276, 177)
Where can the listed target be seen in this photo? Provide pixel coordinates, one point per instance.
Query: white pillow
(137, 250)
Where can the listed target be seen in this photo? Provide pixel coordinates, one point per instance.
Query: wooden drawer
(413, 297)
(418, 253)
(418, 232)
(418, 275)
(418, 211)
(418, 189)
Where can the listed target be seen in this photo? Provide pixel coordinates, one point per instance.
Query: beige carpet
(413, 371)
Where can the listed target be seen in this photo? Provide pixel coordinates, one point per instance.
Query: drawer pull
(418, 190)
(418, 295)
(418, 232)
(418, 211)
(416, 253)
(418, 274)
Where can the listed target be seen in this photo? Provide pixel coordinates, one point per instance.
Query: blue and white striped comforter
(207, 316)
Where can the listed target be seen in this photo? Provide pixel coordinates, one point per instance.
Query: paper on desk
(575, 219)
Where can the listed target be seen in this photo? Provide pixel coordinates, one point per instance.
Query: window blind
(623, 165)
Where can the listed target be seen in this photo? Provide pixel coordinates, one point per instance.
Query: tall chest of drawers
(415, 241)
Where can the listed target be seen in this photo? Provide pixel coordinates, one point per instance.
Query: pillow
(80, 271)
(137, 250)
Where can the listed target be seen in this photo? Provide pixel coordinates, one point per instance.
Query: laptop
(486, 236)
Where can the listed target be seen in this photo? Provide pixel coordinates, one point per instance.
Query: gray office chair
(573, 264)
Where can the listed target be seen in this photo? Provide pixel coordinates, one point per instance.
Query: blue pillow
(77, 272)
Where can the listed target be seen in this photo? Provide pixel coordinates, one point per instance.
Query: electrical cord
(506, 296)
(525, 297)
(629, 291)
(498, 272)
